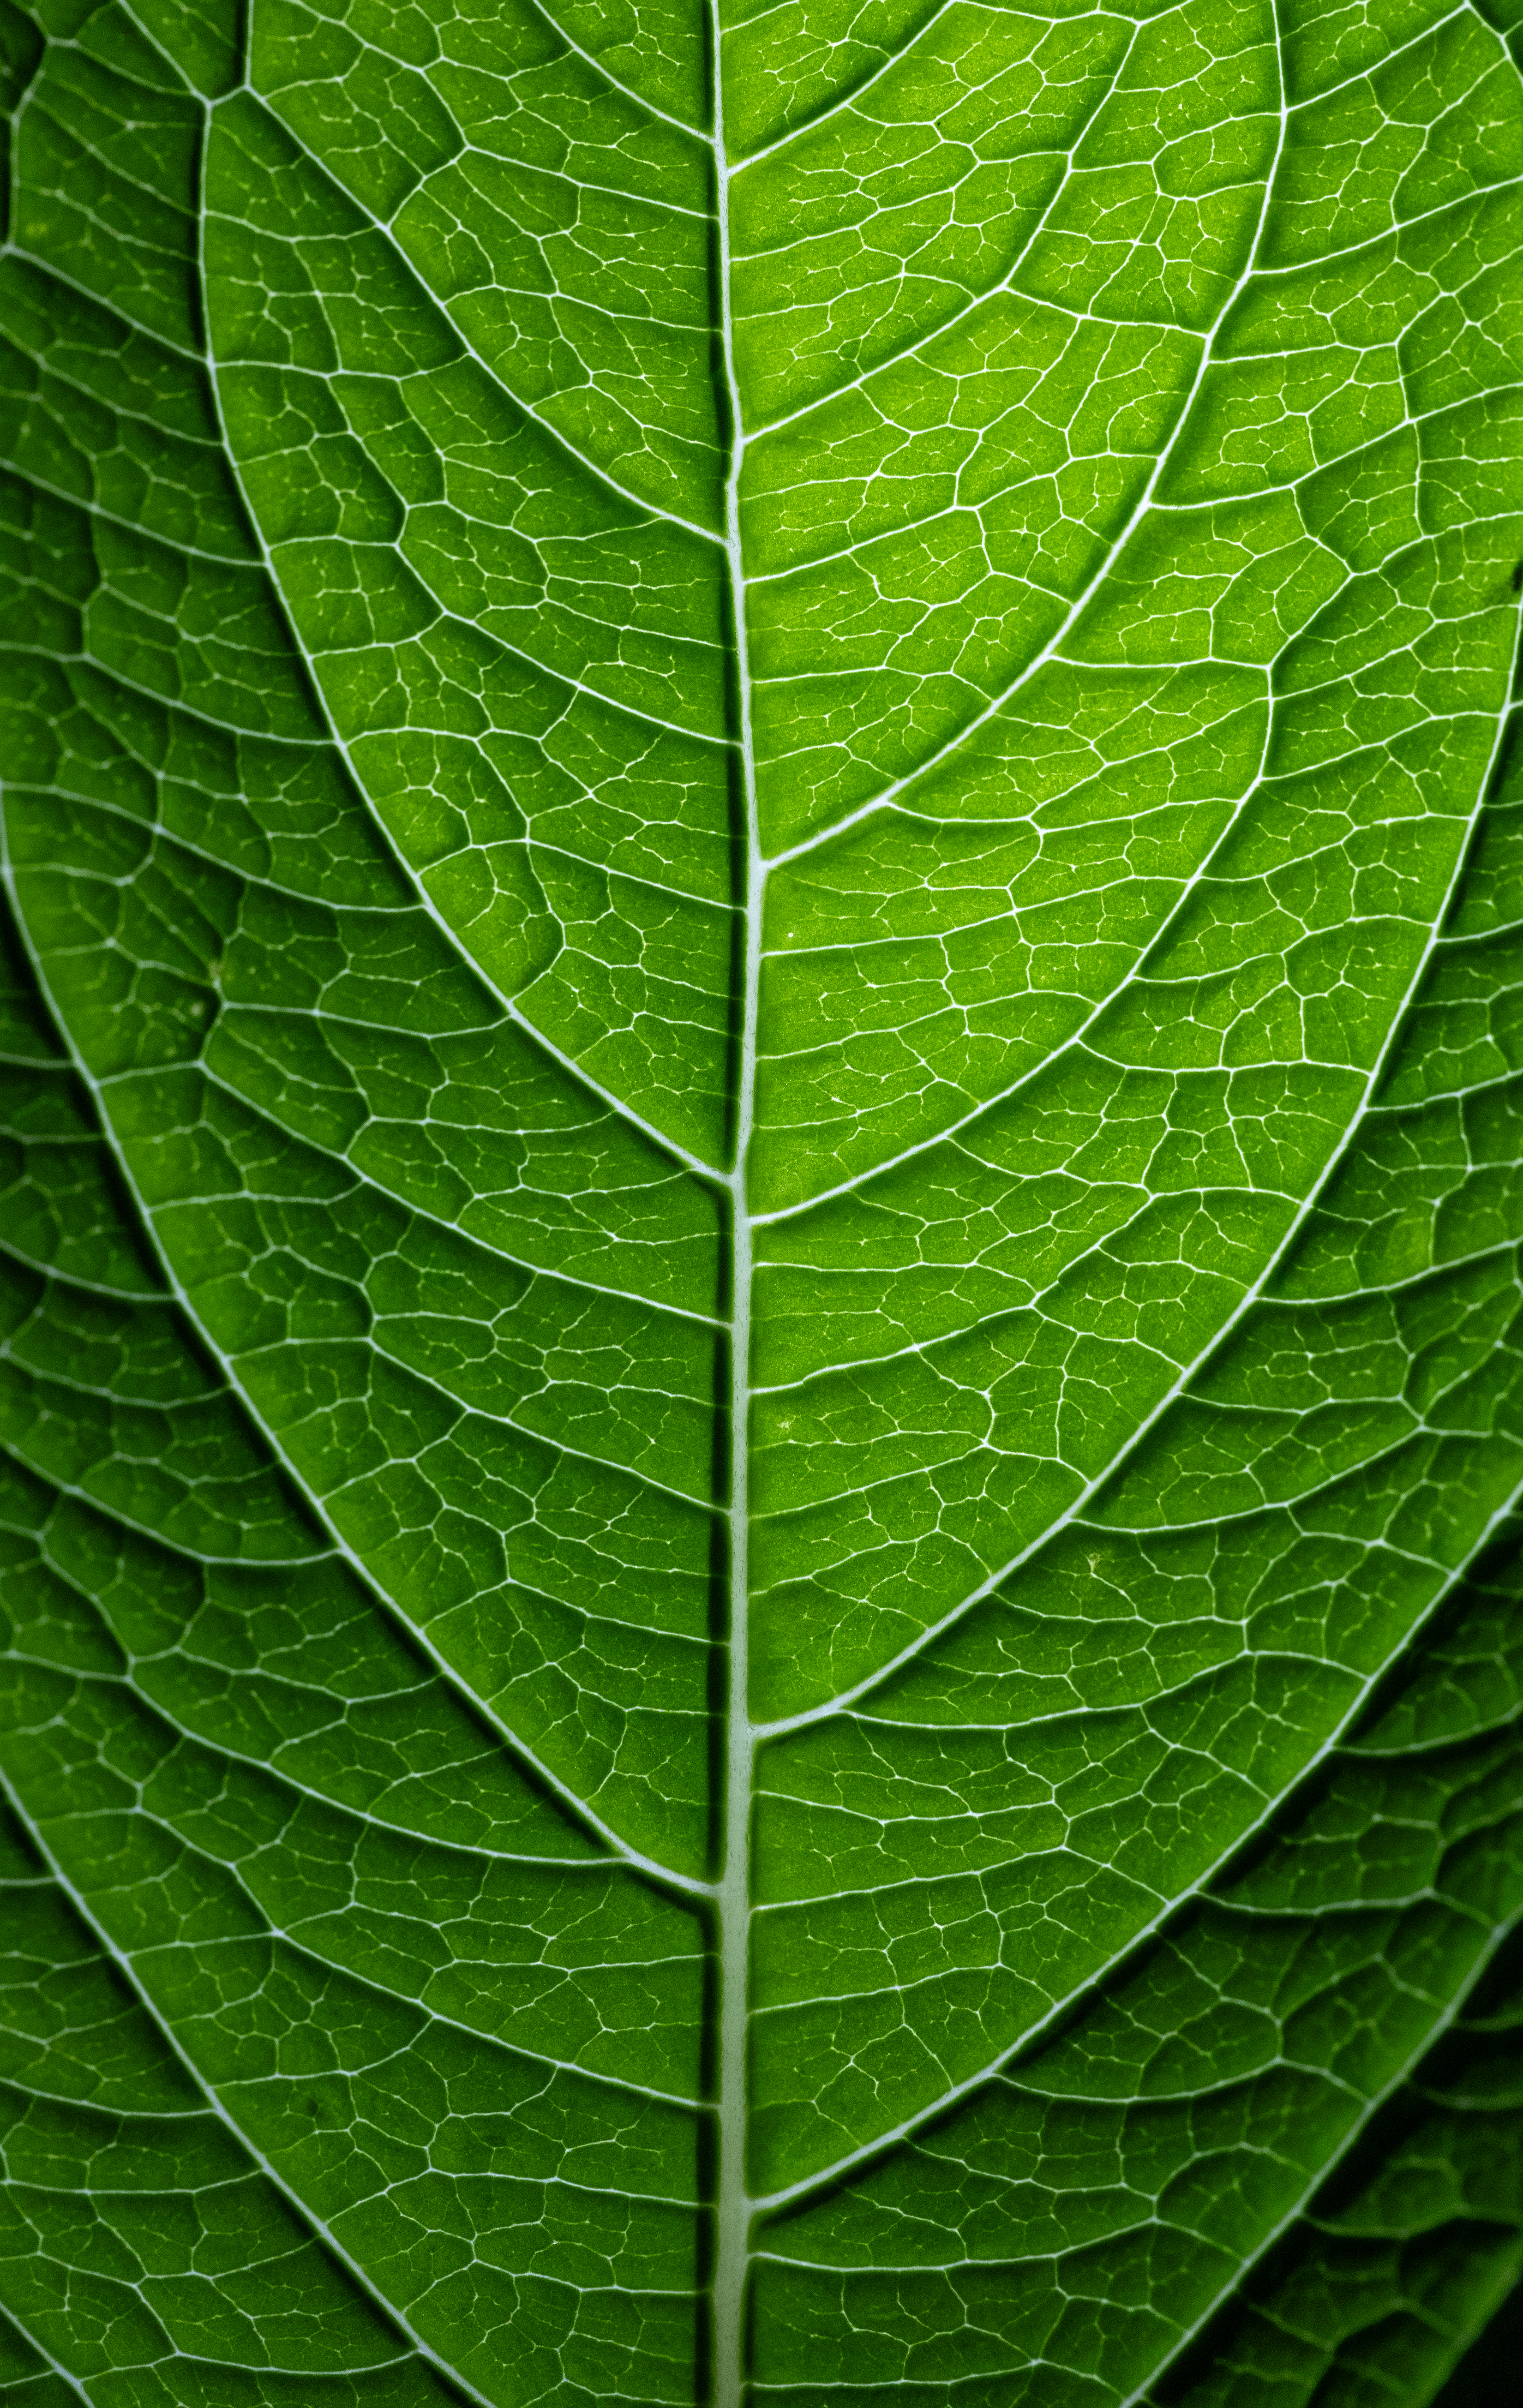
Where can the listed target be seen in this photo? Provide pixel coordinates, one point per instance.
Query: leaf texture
(760, 1278)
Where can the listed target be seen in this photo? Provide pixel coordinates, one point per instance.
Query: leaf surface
(760, 1285)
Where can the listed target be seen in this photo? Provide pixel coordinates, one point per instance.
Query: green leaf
(760, 1263)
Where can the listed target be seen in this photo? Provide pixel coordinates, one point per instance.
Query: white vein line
(1393, 233)
(203, 361)
(605, 75)
(482, 1202)
(1075, 1041)
(465, 1411)
(104, 1509)
(417, 900)
(100, 665)
(1250, 1297)
(848, 100)
(978, 300)
(948, 1132)
(1395, 1032)
(54, 1271)
(1141, 509)
(1443, 1742)
(11, 249)
(138, 1667)
(668, 1146)
(1442, 2023)
(732, 2204)
(496, 1419)
(1093, 316)
(88, 503)
(270, 1767)
(560, 678)
(306, 2215)
(385, 233)
(290, 1938)
(469, 144)
(352, 1023)
(615, 870)
(189, 713)
(741, 632)
(694, 133)
(396, 912)
(1374, 67)
(55, 1274)
(1242, 1841)
(13, 2317)
(576, 1807)
(1290, 1500)
(1398, 1284)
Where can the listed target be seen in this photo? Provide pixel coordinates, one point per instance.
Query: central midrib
(736, 2205)
(732, 2247)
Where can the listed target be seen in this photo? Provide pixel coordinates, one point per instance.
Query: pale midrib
(734, 2207)
(734, 2204)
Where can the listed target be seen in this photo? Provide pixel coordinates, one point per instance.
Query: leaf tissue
(762, 1369)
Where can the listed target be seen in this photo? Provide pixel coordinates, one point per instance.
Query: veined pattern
(761, 1306)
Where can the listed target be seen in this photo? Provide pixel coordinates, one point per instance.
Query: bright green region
(499, 161)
